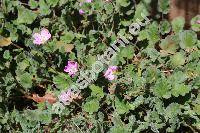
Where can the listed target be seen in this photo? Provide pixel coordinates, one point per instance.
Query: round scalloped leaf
(121, 107)
(188, 39)
(6, 54)
(44, 8)
(196, 108)
(68, 37)
(178, 76)
(172, 110)
(178, 59)
(194, 23)
(96, 91)
(153, 33)
(178, 24)
(180, 89)
(62, 81)
(123, 3)
(162, 88)
(165, 27)
(25, 80)
(163, 6)
(91, 106)
(25, 16)
(169, 44)
(33, 4)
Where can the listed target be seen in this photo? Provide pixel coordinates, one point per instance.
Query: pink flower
(88, 1)
(65, 97)
(71, 68)
(68, 97)
(109, 74)
(80, 4)
(42, 37)
(198, 21)
(81, 11)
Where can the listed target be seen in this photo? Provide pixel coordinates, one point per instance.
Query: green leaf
(163, 6)
(152, 74)
(178, 24)
(90, 60)
(119, 130)
(45, 22)
(172, 111)
(178, 76)
(138, 101)
(23, 64)
(119, 126)
(109, 8)
(152, 53)
(62, 81)
(33, 4)
(194, 24)
(140, 8)
(121, 107)
(91, 106)
(123, 3)
(45, 117)
(68, 37)
(165, 27)
(25, 80)
(142, 35)
(1, 15)
(180, 89)
(188, 39)
(153, 33)
(178, 59)
(196, 108)
(128, 52)
(170, 44)
(96, 91)
(162, 88)
(44, 8)
(25, 16)
(194, 55)
(52, 3)
(6, 54)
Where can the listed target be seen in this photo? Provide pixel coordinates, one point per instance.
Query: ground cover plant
(150, 85)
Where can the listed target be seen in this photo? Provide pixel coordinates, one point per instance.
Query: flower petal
(45, 34)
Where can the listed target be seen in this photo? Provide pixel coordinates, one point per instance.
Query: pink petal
(71, 68)
(72, 64)
(63, 97)
(109, 72)
(198, 21)
(88, 1)
(81, 11)
(111, 77)
(45, 34)
(80, 4)
(37, 38)
(114, 68)
(67, 69)
(69, 92)
(71, 73)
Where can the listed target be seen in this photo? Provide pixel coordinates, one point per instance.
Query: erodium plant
(98, 66)
(86, 77)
